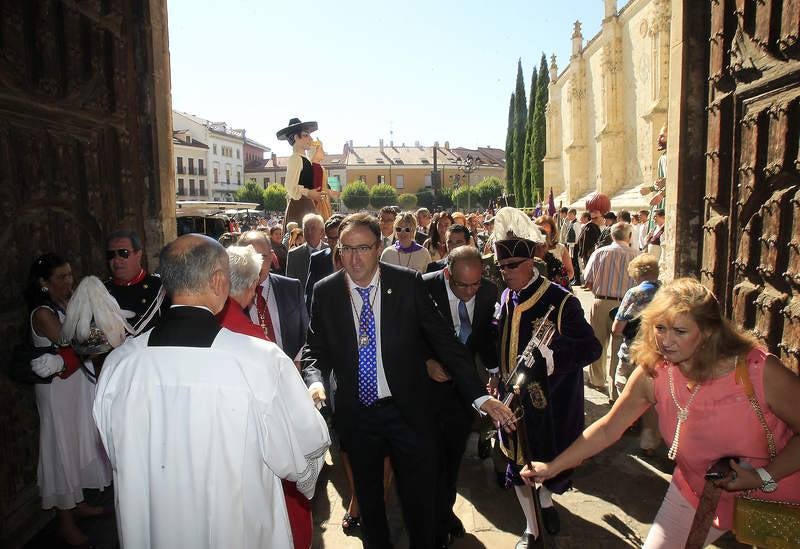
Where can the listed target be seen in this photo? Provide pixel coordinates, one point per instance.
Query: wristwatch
(768, 484)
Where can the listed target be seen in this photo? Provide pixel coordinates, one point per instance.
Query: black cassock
(553, 405)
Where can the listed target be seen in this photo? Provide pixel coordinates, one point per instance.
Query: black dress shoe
(529, 541)
(552, 524)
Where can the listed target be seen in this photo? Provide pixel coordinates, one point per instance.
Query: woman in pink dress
(695, 367)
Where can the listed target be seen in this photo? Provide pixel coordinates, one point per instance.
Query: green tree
(487, 190)
(356, 196)
(527, 177)
(407, 201)
(424, 199)
(275, 198)
(382, 195)
(539, 141)
(250, 192)
(463, 197)
(510, 147)
(444, 198)
(520, 133)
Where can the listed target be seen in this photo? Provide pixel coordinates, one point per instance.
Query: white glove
(47, 365)
(547, 354)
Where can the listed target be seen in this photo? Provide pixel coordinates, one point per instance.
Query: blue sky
(425, 70)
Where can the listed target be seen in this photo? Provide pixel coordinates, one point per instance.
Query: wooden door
(751, 244)
(84, 132)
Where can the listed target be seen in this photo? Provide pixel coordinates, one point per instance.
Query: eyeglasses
(124, 253)
(403, 229)
(511, 266)
(357, 250)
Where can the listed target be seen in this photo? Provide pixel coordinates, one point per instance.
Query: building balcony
(201, 171)
(192, 170)
(180, 170)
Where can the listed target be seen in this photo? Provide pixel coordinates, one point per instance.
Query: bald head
(194, 270)
(262, 245)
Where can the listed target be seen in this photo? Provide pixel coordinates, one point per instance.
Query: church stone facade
(606, 108)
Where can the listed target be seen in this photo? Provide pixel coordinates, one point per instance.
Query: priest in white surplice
(201, 423)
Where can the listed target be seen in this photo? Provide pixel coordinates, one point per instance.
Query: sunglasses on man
(124, 253)
(511, 266)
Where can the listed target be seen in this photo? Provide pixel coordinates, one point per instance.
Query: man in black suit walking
(279, 307)
(322, 263)
(373, 325)
(467, 301)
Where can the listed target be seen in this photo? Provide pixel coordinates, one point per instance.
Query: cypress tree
(527, 181)
(539, 141)
(510, 148)
(520, 132)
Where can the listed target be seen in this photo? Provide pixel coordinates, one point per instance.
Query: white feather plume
(91, 301)
(510, 222)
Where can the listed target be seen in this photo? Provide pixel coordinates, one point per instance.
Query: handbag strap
(743, 379)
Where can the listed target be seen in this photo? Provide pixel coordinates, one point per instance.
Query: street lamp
(467, 167)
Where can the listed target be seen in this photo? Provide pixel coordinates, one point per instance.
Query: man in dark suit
(457, 235)
(322, 263)
(424, 219)
(279, 307)
(370, 324)
(467, 301)
(386, 218)
(298, 259)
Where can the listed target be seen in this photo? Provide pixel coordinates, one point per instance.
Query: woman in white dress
(405, 251)
(71, 455)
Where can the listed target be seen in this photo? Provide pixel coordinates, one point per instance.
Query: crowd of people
(413, 330)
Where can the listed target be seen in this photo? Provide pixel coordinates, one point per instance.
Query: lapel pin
(389, 291)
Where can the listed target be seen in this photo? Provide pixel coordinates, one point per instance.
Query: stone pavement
(615, 497)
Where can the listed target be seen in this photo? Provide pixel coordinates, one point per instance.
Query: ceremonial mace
(542, 335)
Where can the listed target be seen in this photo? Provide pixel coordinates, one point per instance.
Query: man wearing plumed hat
(551, 399)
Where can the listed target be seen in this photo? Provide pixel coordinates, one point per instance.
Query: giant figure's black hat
(296, 126)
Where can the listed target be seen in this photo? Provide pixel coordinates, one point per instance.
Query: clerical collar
(194, 306)
(135, 280)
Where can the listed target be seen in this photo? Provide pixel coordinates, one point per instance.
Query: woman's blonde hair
(721, 339)
(294, 235)
(642, 266)
(406, 218)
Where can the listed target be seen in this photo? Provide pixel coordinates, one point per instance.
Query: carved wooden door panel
(80, 155)
(751, 257)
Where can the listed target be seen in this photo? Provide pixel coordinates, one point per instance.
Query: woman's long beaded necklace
(683, 414)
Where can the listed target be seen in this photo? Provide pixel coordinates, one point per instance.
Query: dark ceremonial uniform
(138, 298)
(553, 405)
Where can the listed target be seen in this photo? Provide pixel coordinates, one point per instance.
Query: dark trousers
(453, 425)
(382, 431)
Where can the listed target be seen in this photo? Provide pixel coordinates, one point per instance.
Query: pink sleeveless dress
(721, 423)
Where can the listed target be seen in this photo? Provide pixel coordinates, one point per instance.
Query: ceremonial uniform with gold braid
(554, 415)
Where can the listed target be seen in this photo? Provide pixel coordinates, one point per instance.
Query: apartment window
(228, 177)
(181, 189)
(215, 148)
(200, 167)
(237, 154)
(283, 180)
(362, 178)
(381, 179)
(238, 177)
(266, 182)
(191, 166)
(202, 187)
(216, 176)
(180, 164)
(192, 190)
(399, 182)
